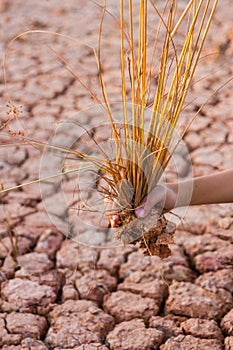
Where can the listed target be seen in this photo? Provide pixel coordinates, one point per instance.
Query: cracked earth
(85, 292)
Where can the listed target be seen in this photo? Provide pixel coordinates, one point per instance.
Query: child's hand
(162, 196)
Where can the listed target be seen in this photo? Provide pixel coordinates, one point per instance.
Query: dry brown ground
(64, 295)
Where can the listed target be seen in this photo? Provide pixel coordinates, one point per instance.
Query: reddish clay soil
(59, 294)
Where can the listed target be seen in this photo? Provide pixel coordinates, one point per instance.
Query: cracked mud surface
(60, 294)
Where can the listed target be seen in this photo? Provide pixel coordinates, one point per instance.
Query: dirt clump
(153, 233)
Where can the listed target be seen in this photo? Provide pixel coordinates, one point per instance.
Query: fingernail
(140, 212)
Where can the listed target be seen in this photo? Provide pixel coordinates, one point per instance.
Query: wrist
(181, 193)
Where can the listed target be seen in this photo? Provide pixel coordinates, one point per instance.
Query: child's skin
(209, 189)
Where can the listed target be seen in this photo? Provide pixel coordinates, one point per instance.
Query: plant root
(153, 233)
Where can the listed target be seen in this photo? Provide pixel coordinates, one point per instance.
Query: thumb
(156, 196)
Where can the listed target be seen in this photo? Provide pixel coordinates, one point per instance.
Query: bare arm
(210, 189)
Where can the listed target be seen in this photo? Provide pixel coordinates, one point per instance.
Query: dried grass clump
(143, 155)
(155, 78)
